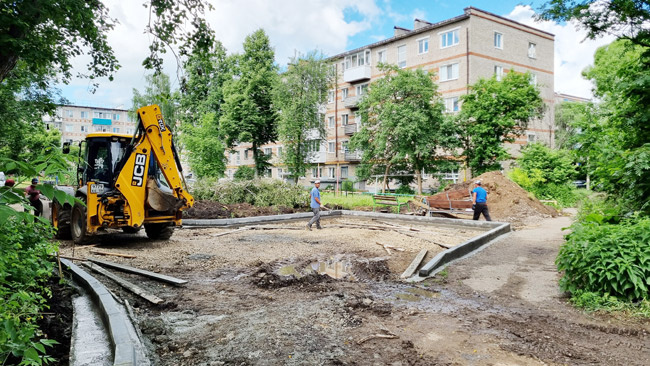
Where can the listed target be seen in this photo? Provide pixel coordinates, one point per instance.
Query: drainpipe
(467, 55)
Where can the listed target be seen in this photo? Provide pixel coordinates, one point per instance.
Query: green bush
(605, 258)
(404, 189)
(347, 186)
(244, 173)
(25, 267)
(257, 192)
(565, 194)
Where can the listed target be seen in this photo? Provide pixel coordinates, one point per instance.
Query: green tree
(627, 19)
(244, 173)
(403, 124)
(200, 103)
(495, 112)
(619, 153)
(302, 90)
(157, 91)
(248, 112)
(553, 166)
(206, 151)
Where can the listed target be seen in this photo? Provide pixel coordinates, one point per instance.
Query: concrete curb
(463, 249)
(115, 320)
(243, 221)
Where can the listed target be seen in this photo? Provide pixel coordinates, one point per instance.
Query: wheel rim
(77, 224)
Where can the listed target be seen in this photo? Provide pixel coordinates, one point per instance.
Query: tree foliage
(626, 19)
(248, 113)
(200, 108)
(157, 91)
(493, 113)
(403, 124)
(299, 95)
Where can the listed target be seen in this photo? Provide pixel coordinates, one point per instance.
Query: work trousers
(316, 218)
(482, 208)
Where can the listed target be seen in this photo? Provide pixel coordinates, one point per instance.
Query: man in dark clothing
(479, 202)
(33, 195)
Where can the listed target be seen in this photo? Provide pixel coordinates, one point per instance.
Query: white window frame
(246, 154)
(69, 113)
(268, 151)
(452, 105)
(116, 130)
(498, 72)
(69, 128)
(533, 79)
(455, 37)
(346, 169)
(279, 150)
(361, 89)
(358, 59)
(331, 146)
(330, 96)
(498, 40)
(344, 93)
(444, 76)
(531, 137)
(401, 63)
(381, 56)
(331, 122)
(84, 114)
(116, 116)
(331, 171)
(423, 45)
(345, 119)
(532, 50)
(345, 146)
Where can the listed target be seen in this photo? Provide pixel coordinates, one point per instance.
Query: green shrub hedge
(25, 267)
(258, 192)
(606, 256)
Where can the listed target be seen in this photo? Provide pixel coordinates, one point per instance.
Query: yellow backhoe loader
(126, 182)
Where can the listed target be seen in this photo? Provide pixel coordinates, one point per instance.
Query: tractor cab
(100, 155)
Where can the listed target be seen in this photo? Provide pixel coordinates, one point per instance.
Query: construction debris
(386, 334)
(124, 283)
(410, 270)
(99, 252)
(142, 272)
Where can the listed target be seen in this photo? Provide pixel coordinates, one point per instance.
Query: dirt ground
(287, 296)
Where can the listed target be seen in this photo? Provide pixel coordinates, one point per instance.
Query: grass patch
(593, 302)
(353, 201)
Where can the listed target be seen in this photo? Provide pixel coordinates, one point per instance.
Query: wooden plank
(410, 270)
(113, 254)
(231, 232)
(142, 272)
(124, 283)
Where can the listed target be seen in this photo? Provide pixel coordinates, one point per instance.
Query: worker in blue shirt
(479, 202)
(315, 206)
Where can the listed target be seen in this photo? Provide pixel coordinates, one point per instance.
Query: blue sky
(300, 26)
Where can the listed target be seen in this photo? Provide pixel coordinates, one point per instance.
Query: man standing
(479, 202)
(315, 206)
(33, 195)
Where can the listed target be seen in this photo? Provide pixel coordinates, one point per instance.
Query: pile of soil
(507, 201)
(217, 210)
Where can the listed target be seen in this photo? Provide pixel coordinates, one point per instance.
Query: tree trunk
(255, 157)
(385, 183)
(418, 174)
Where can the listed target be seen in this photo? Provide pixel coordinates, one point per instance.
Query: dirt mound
(217, 210)
(507, 200)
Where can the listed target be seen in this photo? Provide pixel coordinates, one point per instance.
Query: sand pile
(507, 201)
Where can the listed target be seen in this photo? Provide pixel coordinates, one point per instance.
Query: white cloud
(573, 52)
(292, 26)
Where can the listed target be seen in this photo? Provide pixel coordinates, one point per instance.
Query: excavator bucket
(161, 198)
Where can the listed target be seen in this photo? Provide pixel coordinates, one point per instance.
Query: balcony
(355, 74)
(350, 129)
(352, 155)
(351, 102)
(317, 157)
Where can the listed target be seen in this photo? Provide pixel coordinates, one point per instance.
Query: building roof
(89, 107)
(430, 26)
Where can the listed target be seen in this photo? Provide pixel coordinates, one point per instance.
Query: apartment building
(460, 50)
(75, 122)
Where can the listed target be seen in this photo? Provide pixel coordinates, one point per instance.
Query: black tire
(130, 230)
(159, 231)
(78, 225)
(63, 216)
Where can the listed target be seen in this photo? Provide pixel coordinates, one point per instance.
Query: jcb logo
(138, 169)
(161, 123)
